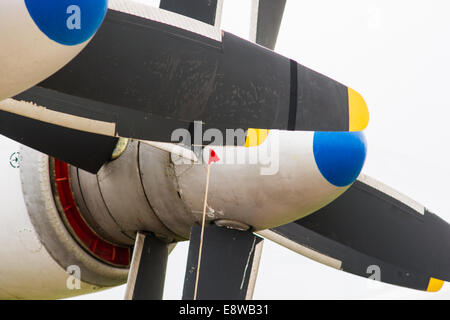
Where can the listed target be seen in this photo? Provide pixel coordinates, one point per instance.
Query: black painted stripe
(292, 120)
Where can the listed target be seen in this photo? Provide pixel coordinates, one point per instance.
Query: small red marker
(213, 156)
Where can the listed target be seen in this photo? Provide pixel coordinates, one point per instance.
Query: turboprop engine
(113, 191)
(68, 222)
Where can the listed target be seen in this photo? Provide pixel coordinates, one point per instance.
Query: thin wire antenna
(203, 230)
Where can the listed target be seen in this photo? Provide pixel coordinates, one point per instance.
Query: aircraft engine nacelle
(59, 219)
(38, 37)
(43, 252)
(283, 177)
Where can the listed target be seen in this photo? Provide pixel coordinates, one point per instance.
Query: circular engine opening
(105, 251)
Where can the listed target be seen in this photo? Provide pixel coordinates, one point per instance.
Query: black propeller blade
(266, 21)
(229, 264)
(85, 150)
(228, 268)
(81, 149)
(149, 78)
(202, 10)
(373, 227)
(148, 268)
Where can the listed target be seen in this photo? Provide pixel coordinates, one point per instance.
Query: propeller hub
(340, 156)
(68, 22)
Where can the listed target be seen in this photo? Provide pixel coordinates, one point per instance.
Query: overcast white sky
(396, 54)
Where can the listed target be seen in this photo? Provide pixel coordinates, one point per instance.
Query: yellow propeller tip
(435, 285)
(357, 111)
(256, 137)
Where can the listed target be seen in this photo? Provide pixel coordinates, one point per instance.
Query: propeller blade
(266, 21)
(148, 269)
(150, 90)
(371, 228)
(208, 11)
(229, 264)
(84, 150)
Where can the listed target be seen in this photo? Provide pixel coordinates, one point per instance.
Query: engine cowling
(285, 177)
(41, 256)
